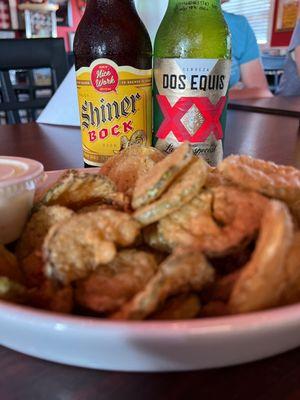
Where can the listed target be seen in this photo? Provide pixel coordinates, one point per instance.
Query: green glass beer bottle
(192, 59)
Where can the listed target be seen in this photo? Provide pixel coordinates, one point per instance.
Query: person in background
(247, 75)
(290, 81)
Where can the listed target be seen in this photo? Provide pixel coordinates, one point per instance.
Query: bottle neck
(195, 6)
(108, 5)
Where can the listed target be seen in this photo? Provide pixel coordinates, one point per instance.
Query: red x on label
(173, 115)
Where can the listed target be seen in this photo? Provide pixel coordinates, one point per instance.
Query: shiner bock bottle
(192, 59)
(113, 60)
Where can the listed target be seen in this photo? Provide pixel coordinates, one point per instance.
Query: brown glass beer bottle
(113, 60)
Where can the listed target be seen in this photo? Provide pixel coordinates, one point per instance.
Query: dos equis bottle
(191, 71)
(113, 60)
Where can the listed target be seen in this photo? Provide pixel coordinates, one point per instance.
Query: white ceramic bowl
(147, 345)
(152, 345)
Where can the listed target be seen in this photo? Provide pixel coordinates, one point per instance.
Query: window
(256, 11)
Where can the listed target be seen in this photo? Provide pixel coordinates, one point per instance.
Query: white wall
(151, 12)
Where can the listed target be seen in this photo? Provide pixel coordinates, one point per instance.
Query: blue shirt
(244, 44)
(290, 81)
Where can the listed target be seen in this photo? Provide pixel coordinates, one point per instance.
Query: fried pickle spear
(183, 189)
(185, 306)
(217, 221)
(150, 186)
(277, 181)
(115, 283)
(262, 281)
(179, 273)
(77, 189)
(75, 248)
(131, 164)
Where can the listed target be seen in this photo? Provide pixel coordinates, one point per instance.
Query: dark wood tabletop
(22, 377)
(278, 105)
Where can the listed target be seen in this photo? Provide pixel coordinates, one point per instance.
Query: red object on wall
(279, 39)
(64, 31)
(4, 15)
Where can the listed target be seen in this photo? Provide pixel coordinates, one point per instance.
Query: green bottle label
(196, 5)
(190, 102)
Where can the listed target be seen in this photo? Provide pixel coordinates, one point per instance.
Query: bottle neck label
(190, 105)
(195, 5)
(115, 109)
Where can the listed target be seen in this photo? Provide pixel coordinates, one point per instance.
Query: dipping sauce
(18, 181)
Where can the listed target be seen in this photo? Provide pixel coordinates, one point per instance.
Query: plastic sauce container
(18, 181)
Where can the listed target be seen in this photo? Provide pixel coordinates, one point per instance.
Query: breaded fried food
(277, 181)
(33, 269)
(217, 221)
(75, 248)
(11, 290)
(291, 292)
(179, 273)
(9, 265)
(222, 288)
(153, 239)
(216, 178)
(131, 164)
(150, 186)
(183, 189)
(115, 283)
(77, 189)
(97, 207)
(37, 228)
(185, 306)
(262, 281)
(29, 247)
(214, 309)
(53, 297)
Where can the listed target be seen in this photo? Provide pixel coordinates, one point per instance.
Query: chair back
(30, 72)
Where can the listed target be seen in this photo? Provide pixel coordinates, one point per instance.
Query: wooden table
(23, 377)
(278, 105)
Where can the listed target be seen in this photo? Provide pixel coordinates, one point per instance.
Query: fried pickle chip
(262, 281)
(291, 292)
(30, 244)
(115, 283)
(186, 306)
(150, 186)
(77, 247)
(12, 291)
(277, 181)
(153, 239)
(183, 189)
(37, 228)
(125, 168)
(216, 178)
(9, 265)
(77, 189)
(97, 207)
(217, 221)
(179, 273)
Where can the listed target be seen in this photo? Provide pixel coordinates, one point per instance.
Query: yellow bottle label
(115, 107)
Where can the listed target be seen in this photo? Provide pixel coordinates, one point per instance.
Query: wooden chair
(24, 58)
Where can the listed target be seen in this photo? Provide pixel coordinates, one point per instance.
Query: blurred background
(272, 21)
